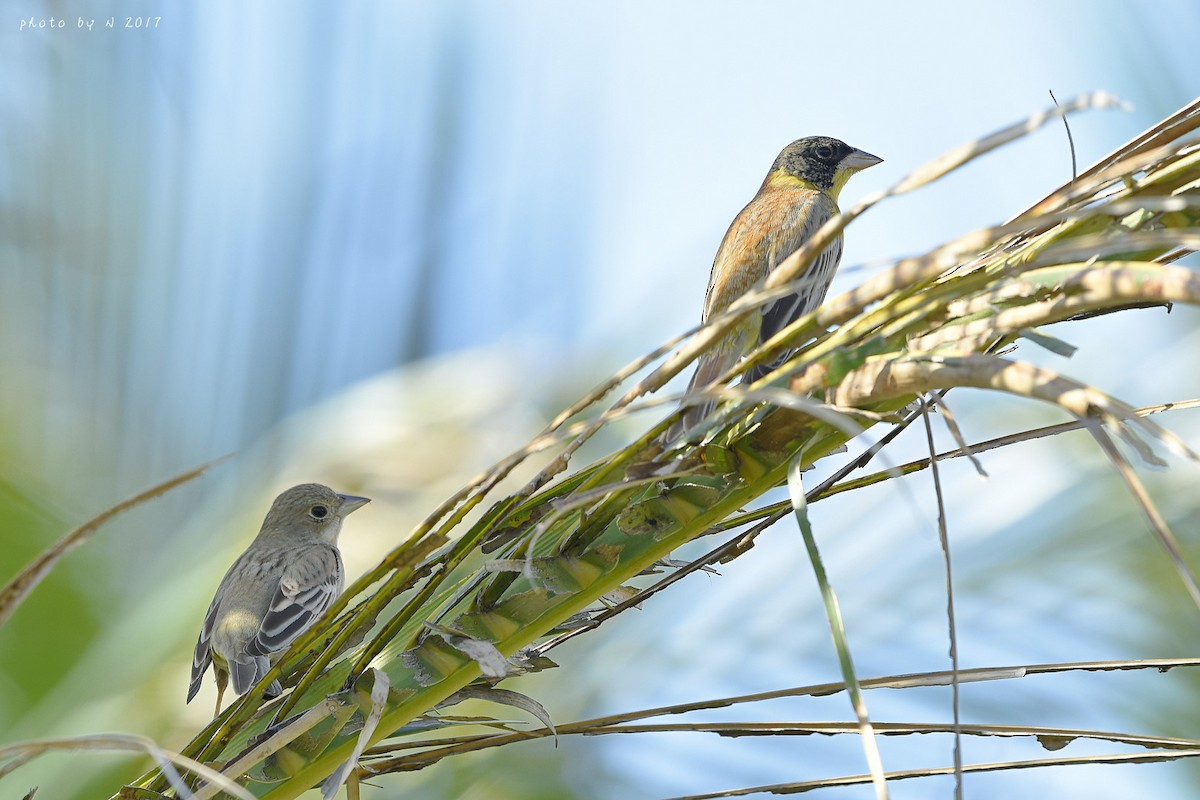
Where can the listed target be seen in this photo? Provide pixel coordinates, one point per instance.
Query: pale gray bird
(285, 580)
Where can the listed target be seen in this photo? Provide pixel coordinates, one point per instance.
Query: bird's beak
(859, 159)
(352, 503)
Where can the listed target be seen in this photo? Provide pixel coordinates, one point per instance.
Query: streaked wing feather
(809, 217)
(308, 588)
(786, 310)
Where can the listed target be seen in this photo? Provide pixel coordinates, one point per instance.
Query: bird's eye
(824, 152)
(318, 512)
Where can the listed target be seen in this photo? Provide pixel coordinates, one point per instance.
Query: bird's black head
(823, 161)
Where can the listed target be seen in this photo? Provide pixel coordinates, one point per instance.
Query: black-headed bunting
(798, 196)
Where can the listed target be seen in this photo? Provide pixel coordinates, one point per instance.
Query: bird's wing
(202, 656)
(309, 585)
(807, 217)
(746, 254)
(803, 222)
(741, 260)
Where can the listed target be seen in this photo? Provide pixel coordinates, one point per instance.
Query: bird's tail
(246, 672)
(761, 370)
(707, 371)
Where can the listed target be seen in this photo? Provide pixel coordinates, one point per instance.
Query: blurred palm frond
(436, 616)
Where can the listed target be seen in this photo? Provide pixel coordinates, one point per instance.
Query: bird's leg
(222, 682)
